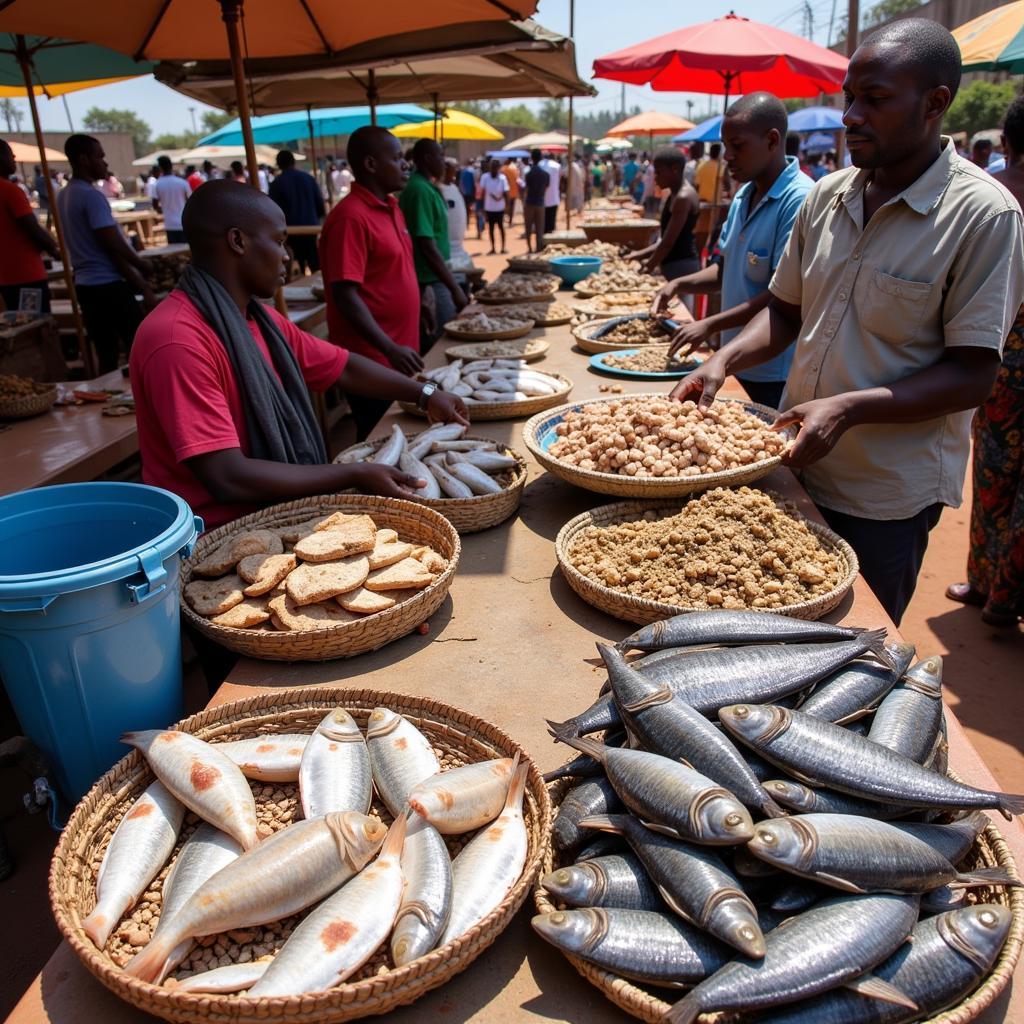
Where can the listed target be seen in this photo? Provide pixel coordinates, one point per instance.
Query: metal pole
(312, 141)
(572, 161)
(67, 110)
(852, 26)
(437, 115)
(84, 349)
(718, 171)
(371, 94)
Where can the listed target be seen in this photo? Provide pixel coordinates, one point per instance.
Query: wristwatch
(428, 389)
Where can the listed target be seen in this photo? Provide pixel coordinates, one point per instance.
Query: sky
(602, 26)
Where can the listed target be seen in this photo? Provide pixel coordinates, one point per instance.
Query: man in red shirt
(220, 380)
(373, 298)
(21, 241)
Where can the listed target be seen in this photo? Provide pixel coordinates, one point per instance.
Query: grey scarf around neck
(279, 417)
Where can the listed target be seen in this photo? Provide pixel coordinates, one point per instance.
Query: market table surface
(514, 645)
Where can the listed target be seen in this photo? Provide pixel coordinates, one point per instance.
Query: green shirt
(426, 216)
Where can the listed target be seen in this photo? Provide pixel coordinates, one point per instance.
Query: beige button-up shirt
(940, 265)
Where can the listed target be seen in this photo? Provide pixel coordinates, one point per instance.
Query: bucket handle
(198, 527)
(151, 565)
(28, 604)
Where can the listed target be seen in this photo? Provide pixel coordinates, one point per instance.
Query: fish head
(358, 836)
(338, 725)
(578, 884)
(793, 795)
(976, 932)
(718, 817)
(902, 655)
(788, 842)
(577, 931)
(756, 724)
(925, 676)
(381, 722)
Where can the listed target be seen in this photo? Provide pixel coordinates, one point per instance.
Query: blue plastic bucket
(90, 635)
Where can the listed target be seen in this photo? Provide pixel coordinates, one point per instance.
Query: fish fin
(97, 927)
(586, 745)
(664, 830)
(517, 786)
(984, 876)
(875, 988)
(395, 839)
(673, 904)
(686, 1011)
(605, 823)
(1010, 804)
(770, 809)
(876, 642)
(152, 962)
(609, 654)
(838, 883)
(563, 732)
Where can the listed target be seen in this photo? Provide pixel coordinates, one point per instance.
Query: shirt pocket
(757, 266)
(893, 308)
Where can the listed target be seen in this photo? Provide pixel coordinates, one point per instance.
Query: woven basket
(471, 515)
(643, 610)
(452, 330)
(586, 308)
(989, 850)
(585, 340)
(413, 522)
(509, 410)
(581, 288)
(537, 430)
(509, 300)
(522, 265)
(28, 405)
(529, 351)
(459, 737)
(542, 313)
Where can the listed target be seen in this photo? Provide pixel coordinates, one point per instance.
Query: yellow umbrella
(993, 41)
(453, 124)
(11, 91)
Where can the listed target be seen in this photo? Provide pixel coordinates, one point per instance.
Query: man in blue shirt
(302, 204)
(629, 172)
(753, 239)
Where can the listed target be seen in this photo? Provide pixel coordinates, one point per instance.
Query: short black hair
(422, 148)
(981, 144)
(762, 111)
(76, 146)
(696, 149)
(363, 143)
(926, 46)
(536, 156)
(1013, 125)
(285, 159)
(670, 157)
(793, 143)
(716, 148)
(218, 206)
(165, 164)
(190, 169)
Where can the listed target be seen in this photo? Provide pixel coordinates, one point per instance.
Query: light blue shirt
(996, 164)
(752, 243)
(82, 209)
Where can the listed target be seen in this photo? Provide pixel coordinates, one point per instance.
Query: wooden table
(514, 645)
(144, 222)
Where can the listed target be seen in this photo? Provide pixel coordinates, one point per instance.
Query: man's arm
(428, 249)
(703, 282)
(133, 269)
(352, 307)
(40, 238)
(697, 332)
(681, 210)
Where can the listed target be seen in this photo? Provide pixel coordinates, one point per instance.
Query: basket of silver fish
(321, 854)
(474, 482)
(780, 837)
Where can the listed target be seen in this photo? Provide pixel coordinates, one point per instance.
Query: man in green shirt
(426, 215)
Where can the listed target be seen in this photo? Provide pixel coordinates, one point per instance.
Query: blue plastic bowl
(574, 268)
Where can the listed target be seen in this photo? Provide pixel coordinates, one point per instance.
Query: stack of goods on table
(489, 325)
(509, 287)
(529, 349)
(650, 359)
(544, 312)
(630, 331)
(610, 304)
(539, 261)
(618, 276)
(167, 267)
(22, 397)
(769, 823)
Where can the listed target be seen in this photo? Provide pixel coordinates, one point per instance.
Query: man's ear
(237, 241)
(937, 102)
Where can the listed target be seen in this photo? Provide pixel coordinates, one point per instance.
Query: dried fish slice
(643, 945)
(797, 797)
(856, 690)
(464, 798)
(225, 980)
(909, 719)
(334, 774)
(272, 758)
(427, 900)
(284, 874)
(341, 934)
(202, 778)
(401, 757)
(137, 851)
(614, 880)
(595, 796)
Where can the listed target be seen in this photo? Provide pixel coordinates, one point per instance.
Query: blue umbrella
(516, 154)
(299, 124)
(820, 143)
(707, 131)
(816, 119)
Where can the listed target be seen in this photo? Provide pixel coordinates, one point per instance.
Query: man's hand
(702, 385)
(690, 336)
(663, 299)
(460, 298)
(405, 360)
(149, 300)
(443, 407)
(373, 478)
(822, 422)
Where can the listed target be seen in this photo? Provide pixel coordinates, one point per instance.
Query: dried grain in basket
(458, 737)
(508, 410)
(587, 342)
(989, 850)
(481, 512)
(413, 522)
(643, 610)
(24, 406)
(538, 430)
(530, 351)
(452, 330)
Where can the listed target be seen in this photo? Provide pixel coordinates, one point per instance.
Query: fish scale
(334, 775)
(909, 718)
(613, 880)
(427, 900)
(854, 691)
(595, 796)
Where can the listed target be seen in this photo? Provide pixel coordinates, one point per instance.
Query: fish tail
(585, 744)
(606, 823)
(153, 962)
(609, 655)
(563, 732)
(395, 838)
(514, 799)
(685, 1011)
(875, 639)
(97, 926)
(1010, 804)
(984, 876)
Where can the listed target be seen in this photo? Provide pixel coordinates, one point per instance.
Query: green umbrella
(60, 65)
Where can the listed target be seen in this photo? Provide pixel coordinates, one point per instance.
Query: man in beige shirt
(900, 280)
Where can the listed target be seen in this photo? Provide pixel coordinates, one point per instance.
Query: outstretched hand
(689, 337)
(443, 407)
(822, 422)
(701, 386)
(387, 481)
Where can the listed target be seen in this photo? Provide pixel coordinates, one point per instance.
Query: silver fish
(464, 798)
(224, 980)
(137, 851)
(491, 462)
(595, 796)
(668, 726)
(603, 845)
(856, 690)
(615, 880)
(334, 774)
(860, 855)
(943, 899)
(427, 900)
(408, 463)
(646, 946)
(909, 718)
(272, 758)
(580, 767)
(669, 794)
(798, 896)
(334, 940)
(478, 481)
(727, 628)
(392, 448)
(954, 840)
(942, 962)
(693, 882)
(401, 757)
(826, 754)
(831, 944)
(797, 797)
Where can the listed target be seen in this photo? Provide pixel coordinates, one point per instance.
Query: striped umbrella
(994, 41)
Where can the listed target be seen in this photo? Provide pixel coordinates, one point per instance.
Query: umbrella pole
(437, 115)
(84, 349)
(312, 141)
(371, 94)
(718, 171)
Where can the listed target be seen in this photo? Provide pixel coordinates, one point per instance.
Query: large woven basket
(28, 405)
(471, 515)
(458, 737)
(542, 313)
(530, 351)
(989, 850)
(524, 265)
(452, 330)
(413, 522)
(586, 289)
(538, 435)
(587, 340)
(643, 610)
(588, 309)
(509, 410)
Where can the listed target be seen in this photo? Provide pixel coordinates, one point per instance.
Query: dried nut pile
(539, 260)
(652, 359)
(513, 348)
(13, 386)
(540, 313)
(618, 278)
(639, 331)
(725, 549)
(483, 323)
(517, 286)
(619, 302)
(642, 437)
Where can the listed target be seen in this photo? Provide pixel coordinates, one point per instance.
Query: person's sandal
(1001, 618)
(964, 593)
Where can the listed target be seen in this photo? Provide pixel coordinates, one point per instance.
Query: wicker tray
(580, 288)
(585, 340)
(28, 405)
(538, 435)
(529, 351)
(643, 610)
(509, 410)
(471, 515)
(459, 738)
(587, 308)
(452, 330)
(521, 265)
(540, 312)
(414, 523)
(989, 850)
(509, 300)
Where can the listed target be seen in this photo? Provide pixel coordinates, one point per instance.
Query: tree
(99, 120)
(171, 140)
(554, 115)
(491, 111)
(886, 10)
(12, 114)
(979, 105)
(212, 120)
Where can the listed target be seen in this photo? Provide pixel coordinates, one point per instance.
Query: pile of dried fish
(451, 465)
(485, 381)
(227, 878)
(836, 744)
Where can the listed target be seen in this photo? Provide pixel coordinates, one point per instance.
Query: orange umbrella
(650, 123)
(25, 154)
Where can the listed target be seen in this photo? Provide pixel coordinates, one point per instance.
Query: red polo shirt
(20, 262)
(365, 240)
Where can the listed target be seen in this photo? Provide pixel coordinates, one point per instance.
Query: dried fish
(595, 796)
(335, 771)
(272, 758)
(224, 980)
(401, 757)
(408, 463)
(464, 798)
(615, 880)
(797, 797)
(427, 899)
(392, 449)
(909, 719)
(856, 690)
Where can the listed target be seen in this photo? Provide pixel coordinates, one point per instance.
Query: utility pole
(622, 102)
(852, 27)
(808, 20)
(689, 110)
(831, 23)
(67, 110)
(192, 111)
